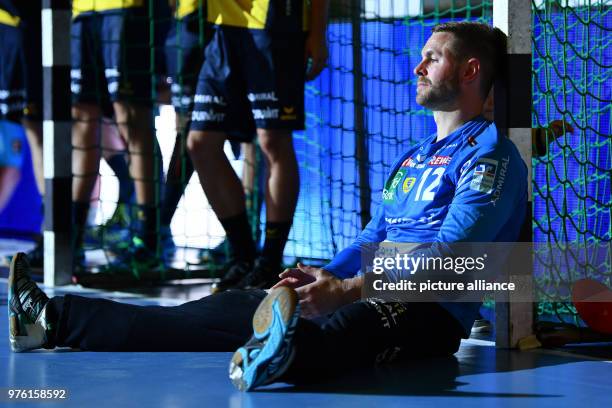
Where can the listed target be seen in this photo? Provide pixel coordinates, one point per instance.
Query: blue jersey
(468, 187)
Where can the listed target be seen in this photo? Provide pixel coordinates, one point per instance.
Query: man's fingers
(309, 270)
(290, 282)
(292, 272)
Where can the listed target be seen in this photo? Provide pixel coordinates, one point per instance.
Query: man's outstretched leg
(214, 323)
(361, 334)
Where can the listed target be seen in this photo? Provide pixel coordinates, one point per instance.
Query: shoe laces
(31, 298)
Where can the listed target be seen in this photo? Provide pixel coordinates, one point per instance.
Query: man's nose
(419, 70)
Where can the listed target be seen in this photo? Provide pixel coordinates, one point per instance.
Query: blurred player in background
(189, 34)
(111, 62)
(253, 76)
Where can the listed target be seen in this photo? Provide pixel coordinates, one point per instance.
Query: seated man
(466, 183)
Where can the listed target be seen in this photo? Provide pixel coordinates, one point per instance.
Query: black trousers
(360, 334)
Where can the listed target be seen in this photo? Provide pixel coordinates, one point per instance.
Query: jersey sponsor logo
(391, 186)
(447, 147)
(409, 162)
(484, 175)
(288, 113)
(500, 180)
(440, 160)
(267, 113)
(408, 184)
(75, 88)
(263, 96)
(111, 73)
(212, 99)
(207, 116)
(113, 87)
(427, 220)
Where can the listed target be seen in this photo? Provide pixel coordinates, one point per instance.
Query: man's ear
(471, 70)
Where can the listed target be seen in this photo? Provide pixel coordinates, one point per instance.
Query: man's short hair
(481, 41)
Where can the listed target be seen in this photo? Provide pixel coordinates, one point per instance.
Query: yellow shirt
(8, 19)
(186, 7)
(82, 6)
(252, 13)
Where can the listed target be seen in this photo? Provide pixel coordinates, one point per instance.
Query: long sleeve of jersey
(348, 261)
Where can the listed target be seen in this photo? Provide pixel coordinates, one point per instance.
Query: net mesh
(374, 46)
(571, 81)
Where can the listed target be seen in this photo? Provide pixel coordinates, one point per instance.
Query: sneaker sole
(274, 322)
(35, 335)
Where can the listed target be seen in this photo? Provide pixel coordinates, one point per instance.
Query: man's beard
(439, 97)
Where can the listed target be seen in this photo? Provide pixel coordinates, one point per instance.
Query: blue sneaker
(28, 326)
(268, 354)
(136, 260)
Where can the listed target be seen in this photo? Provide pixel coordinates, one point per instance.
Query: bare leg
(283, 182)
(112, 143)
(219, 180)
(86, 150)
(135, 125)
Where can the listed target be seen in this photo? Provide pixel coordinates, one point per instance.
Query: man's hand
(559, 127)
(295, 277)
(320, 292)
(316, 52)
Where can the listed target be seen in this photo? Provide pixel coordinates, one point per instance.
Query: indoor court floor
(479, 375)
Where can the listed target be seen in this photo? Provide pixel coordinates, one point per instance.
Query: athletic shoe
(28, 326)
(135, 260)
(167, 243)
(120, 218)
(215, 255)
(234, 275)
(263, 276)
(268, 354)
(113, 239)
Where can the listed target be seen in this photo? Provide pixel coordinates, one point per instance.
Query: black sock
(239, 232)
(174, 189)
(80, 211)
(277, 234)
(146, 225)
(126, 184)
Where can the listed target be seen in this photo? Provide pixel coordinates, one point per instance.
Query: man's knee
(275, 144)
(132, 117)
(205, 144)
(85, 112)
(86, 119)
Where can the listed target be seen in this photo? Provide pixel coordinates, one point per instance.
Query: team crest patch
(484, 175)
(408, 184)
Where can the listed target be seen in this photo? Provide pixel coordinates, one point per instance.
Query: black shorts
(12, 73)
(251, 78)
(32, 49)
(111, 57)
(184, 49)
